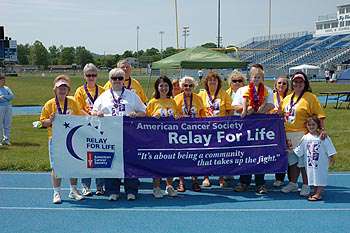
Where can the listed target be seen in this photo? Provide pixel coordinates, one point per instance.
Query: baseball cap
(298, 76)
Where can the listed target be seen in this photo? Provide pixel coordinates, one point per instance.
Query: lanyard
(188, 108)
(291, 103)
(89, 95)
(117, 101)
(59, 109)
(129, 84)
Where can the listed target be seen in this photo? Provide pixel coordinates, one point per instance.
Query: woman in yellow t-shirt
(281, 90)
(190, 105)
(297, 107)
(216, 103)
(236, 80)
(86, 96)
(162, 105)
(61, 104)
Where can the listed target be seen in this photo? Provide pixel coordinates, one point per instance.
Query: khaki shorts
(295, 138)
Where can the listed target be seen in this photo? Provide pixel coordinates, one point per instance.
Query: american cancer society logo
(97, 159)
(100, 153)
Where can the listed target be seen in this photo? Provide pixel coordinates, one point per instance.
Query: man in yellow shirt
(129, 83)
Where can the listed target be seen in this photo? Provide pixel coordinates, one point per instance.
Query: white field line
(7, 208)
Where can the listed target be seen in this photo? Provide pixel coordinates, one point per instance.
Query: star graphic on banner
(66, 125)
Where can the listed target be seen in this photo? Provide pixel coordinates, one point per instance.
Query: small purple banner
(204, 146)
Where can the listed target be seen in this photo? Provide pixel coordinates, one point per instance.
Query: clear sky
(109, 26)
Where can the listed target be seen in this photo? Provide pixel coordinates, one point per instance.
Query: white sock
(73, 187)
(56, 190)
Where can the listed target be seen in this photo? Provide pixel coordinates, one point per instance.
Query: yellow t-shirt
(197, 109)
(135, 86)
(230, 92)
(221, 104)
(162, 108)
(82, 98)
(51, 108)
(296, 116)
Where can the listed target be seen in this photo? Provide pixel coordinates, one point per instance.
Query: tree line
(37, 54)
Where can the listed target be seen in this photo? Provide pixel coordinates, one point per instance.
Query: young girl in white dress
(319, 154)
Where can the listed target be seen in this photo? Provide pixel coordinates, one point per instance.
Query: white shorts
(295, 138)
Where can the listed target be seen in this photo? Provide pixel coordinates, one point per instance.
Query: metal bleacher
(288, 50)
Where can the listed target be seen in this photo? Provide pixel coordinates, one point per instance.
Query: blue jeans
(86, 182)
(247, 179)
(131, 185)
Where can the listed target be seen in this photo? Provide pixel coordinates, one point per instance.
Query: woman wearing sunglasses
(119, 101)
(235, 81)
(190, 105)
(86, 96)
(281, 90)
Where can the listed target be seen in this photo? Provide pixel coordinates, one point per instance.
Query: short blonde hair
(236, 74)
(188, 79)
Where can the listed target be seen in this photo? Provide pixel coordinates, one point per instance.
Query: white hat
(61, 82)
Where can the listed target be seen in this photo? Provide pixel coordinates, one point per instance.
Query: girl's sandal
(315, 198)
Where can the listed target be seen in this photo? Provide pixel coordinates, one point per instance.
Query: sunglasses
(120, 78)
(188, 85)
(91, 75)
(282, 83)
(237, 81)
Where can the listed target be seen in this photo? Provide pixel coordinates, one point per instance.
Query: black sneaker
(261, 190)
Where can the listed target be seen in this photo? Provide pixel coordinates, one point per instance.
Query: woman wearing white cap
(60, 104)
(119, 101)
(6, 95)
(297, 107)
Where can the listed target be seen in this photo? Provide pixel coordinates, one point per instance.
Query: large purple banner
(208, 146)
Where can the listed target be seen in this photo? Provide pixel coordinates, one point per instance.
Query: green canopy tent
(199, 58)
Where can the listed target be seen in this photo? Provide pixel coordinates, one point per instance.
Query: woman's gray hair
(116, 72)
(188, 79)
(90, 67)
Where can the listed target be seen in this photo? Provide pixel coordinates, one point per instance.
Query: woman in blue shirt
(6, 96)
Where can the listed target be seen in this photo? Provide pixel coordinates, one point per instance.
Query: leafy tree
(67, 56)
(39, 55)
(23, 53)
(168, 52)
(127, 53)
(83, 56)
(209, 45)
(152, 52)
(54, 53)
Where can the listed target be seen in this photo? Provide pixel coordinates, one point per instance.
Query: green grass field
(29, 151)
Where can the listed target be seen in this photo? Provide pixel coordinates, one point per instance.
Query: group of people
(124, 96)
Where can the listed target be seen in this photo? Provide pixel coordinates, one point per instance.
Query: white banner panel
(84, 147)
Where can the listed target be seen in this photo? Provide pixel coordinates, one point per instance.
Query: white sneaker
(74, 194)
(290, 187)
(170, 191)
(113, 197)
(131, 197)
(57, 198)
(305, 190)
(277, 183)
(86, 192)
(157, 193)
